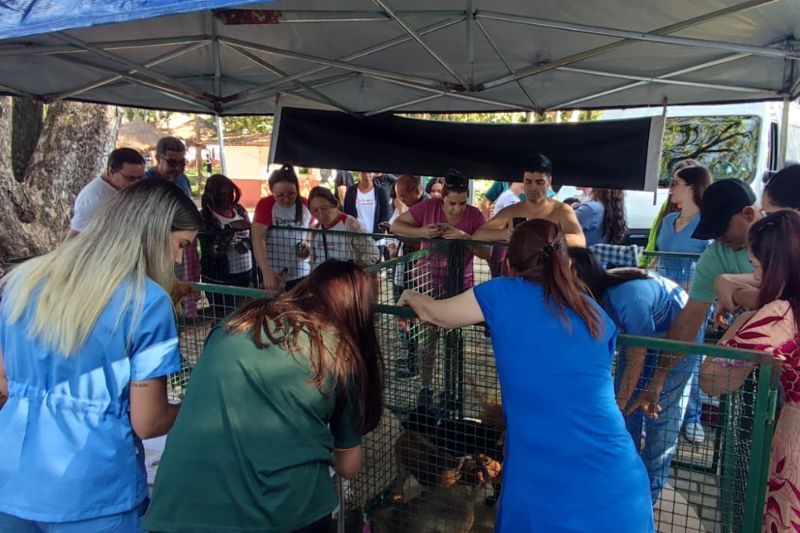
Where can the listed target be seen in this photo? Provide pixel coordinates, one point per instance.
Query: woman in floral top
(774, 247)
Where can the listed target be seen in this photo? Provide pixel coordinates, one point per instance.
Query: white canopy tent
(369, 57)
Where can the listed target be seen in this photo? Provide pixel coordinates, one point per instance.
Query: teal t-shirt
(252, 445)
(715, 260)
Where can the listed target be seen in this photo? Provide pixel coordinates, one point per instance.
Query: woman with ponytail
(569, 463)
(643, 304)
(281, 254)
(284, 389)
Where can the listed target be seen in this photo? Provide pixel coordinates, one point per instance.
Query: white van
(733, 141)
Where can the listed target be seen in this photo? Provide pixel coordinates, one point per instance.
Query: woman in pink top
(448, 218)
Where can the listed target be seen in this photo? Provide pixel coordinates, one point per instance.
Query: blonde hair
(128, 240)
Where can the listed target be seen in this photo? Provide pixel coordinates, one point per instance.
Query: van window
(727, 145)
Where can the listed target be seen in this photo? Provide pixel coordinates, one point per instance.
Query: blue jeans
(663, 432)
(695, 407)
(127, 522)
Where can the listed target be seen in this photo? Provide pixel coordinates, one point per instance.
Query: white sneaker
(694, 433)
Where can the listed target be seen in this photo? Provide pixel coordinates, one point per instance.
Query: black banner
(612, 154)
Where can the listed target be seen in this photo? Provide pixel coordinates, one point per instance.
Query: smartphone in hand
(516, 221)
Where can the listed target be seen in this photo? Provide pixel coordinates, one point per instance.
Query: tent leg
(221, 139)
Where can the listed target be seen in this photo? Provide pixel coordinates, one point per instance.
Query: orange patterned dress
(773, 329)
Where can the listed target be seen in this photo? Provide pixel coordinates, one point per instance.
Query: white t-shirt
(506, 199)
(89, 201)
(282, 244)
(365, 207)
(238, 262)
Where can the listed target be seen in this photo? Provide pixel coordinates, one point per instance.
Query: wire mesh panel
(435, 461)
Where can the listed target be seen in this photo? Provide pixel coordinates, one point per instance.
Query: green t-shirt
(715, 260)
(496, 189)
(251, 448)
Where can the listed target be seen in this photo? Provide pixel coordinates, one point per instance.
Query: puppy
(179, 291)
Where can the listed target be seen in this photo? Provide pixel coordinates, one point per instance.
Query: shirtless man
(536, 181)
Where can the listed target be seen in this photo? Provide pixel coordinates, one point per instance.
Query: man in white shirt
(125, 167)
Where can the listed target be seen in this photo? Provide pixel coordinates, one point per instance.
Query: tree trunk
(26, 125)
(71, 150)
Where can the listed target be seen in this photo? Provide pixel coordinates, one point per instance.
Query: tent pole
(221, 140)
(784, 138)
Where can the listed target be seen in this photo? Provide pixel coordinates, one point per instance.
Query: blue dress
(67, 448)
(678, 270)
(570, 464)
(590, 216)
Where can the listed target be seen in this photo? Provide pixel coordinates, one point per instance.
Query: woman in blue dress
(570, 464)
(643, 304)
(87, 338)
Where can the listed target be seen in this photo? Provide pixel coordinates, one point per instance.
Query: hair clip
(549, 249)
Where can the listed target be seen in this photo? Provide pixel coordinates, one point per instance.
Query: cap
(721, 200)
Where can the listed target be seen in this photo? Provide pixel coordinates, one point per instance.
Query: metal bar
(503, 60)
(221, 138)
(470, 22)
(330, 62)
(640, 36)
(166, 80)
(459, 96)
(216, 85)
(670, 81)
(587, 54)
(396, 107)
(357, 55)
(34, 49)
(204, 105)
(157, 61)
(168, 90)
(278, 72)
(316, 84)
(409, 30)
(758, 472)
(300, 16)
(629, 86)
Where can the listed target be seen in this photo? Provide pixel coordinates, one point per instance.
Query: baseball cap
(721, 201)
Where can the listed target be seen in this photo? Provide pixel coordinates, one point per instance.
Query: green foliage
(727, 145)
(479, 188)
(247, 125)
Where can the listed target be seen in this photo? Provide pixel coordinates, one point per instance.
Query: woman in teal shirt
(283, 389)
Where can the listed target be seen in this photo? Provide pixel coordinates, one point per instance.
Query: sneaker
(694, 433)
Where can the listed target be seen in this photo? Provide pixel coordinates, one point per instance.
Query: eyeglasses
(320, 210)
(175, 162)
(675, 183)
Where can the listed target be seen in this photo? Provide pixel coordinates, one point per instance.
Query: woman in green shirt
(284, 389)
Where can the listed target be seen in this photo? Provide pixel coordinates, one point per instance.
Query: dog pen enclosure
(444, 435)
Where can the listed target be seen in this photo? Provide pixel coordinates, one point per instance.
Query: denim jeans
(662, 433)
(695, 407)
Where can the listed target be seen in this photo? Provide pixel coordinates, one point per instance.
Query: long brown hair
(588, 268)
(775, 242)
(668, 206)
(538, 252)
(335, 305)
(615, 224)
(698, 178)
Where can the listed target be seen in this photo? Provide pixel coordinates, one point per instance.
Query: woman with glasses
(325, 245)
(280, 248)
(447, 218)
(675, 234)
(225, 244)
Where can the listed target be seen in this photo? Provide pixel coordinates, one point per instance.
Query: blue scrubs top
(645, 307)
(67, 448)
(590, 215)
(570, 464)
(669, 240)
